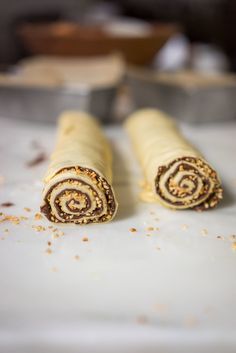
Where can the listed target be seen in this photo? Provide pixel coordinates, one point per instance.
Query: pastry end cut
(80, 196)
(188, 182)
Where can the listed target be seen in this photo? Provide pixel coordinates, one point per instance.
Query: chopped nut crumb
(48, 251)
(23, 218)
(132, 230)
(39, 228)
(77, 257)
(158, 248)
(232, 237)
(27, 209)
(37, 216)
(150, 229)
(204, 232)
(12, 219)
(60, 233)
(220, 237)
(184, 227)
(49, 243)
(85, 239)
(233, 245)
(6, 230)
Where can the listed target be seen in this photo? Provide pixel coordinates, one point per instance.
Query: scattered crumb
(57, 233)
(2, 238)
(220, 237)
(158, 248)
(142, 319)
(23, 218)
(152, 212)
(50, 227)
(39, 228)
(60, 233)
(77, 257)
(232, 237)
(85, 239)
(233, 245)
(148, 235)
(150, 229)
(12, 219)
(37, 216)
(41, 157)
(132, 230)
(54, 269)
(49, 243)
(27, 209)
(157, 228)
(156, 219)
(6, 230)
(48, 251)
(7, 204)
(204, 232)
(184, 226)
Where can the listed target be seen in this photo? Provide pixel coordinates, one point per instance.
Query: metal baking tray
(40, 88)
(190, 102)
(46, 103)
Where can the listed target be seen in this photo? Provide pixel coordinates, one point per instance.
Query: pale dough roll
(78, 181)
(175, 172)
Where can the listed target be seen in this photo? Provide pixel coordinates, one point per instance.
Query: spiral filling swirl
(78, 195)
(188, 182)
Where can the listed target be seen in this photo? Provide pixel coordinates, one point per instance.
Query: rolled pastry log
(78, 182)
(175, 172)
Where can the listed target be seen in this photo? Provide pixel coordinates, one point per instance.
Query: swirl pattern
(78, 180)
(78, 195)
(175, 172)
(188, 182)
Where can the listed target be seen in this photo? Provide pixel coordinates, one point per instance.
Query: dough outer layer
(175, 172)
(78, 181)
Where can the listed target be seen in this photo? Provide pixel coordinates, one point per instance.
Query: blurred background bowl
(137, 43)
